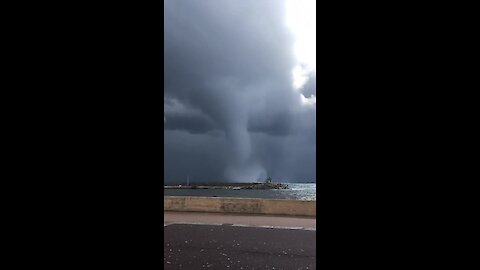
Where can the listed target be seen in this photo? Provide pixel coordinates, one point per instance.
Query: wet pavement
(193, 246)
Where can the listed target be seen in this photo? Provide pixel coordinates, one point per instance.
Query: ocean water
(296, 191)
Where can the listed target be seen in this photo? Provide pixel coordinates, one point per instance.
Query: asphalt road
(188, 246)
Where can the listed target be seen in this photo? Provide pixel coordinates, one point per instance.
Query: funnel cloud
(231, 112)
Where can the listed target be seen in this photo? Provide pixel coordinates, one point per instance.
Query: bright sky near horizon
(301, 20)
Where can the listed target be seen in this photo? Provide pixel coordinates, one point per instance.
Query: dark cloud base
(231, 113)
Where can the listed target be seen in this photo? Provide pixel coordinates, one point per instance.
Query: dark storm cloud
(183, 117)
(230, 110)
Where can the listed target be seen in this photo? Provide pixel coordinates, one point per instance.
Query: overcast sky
(239, 90)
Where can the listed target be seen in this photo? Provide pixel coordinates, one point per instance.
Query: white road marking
(246, 225)
(277, 227)
(195, 223)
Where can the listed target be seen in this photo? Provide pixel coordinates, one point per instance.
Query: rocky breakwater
(234, 186)
(266, 186)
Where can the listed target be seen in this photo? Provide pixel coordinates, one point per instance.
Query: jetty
(234, 186)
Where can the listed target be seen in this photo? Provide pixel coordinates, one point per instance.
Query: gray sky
(232, 110)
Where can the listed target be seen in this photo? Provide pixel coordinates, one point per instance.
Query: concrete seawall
(240, 206)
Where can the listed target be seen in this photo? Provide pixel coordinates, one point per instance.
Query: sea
(295, 191)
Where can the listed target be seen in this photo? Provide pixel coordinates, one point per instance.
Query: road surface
(242, 242)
